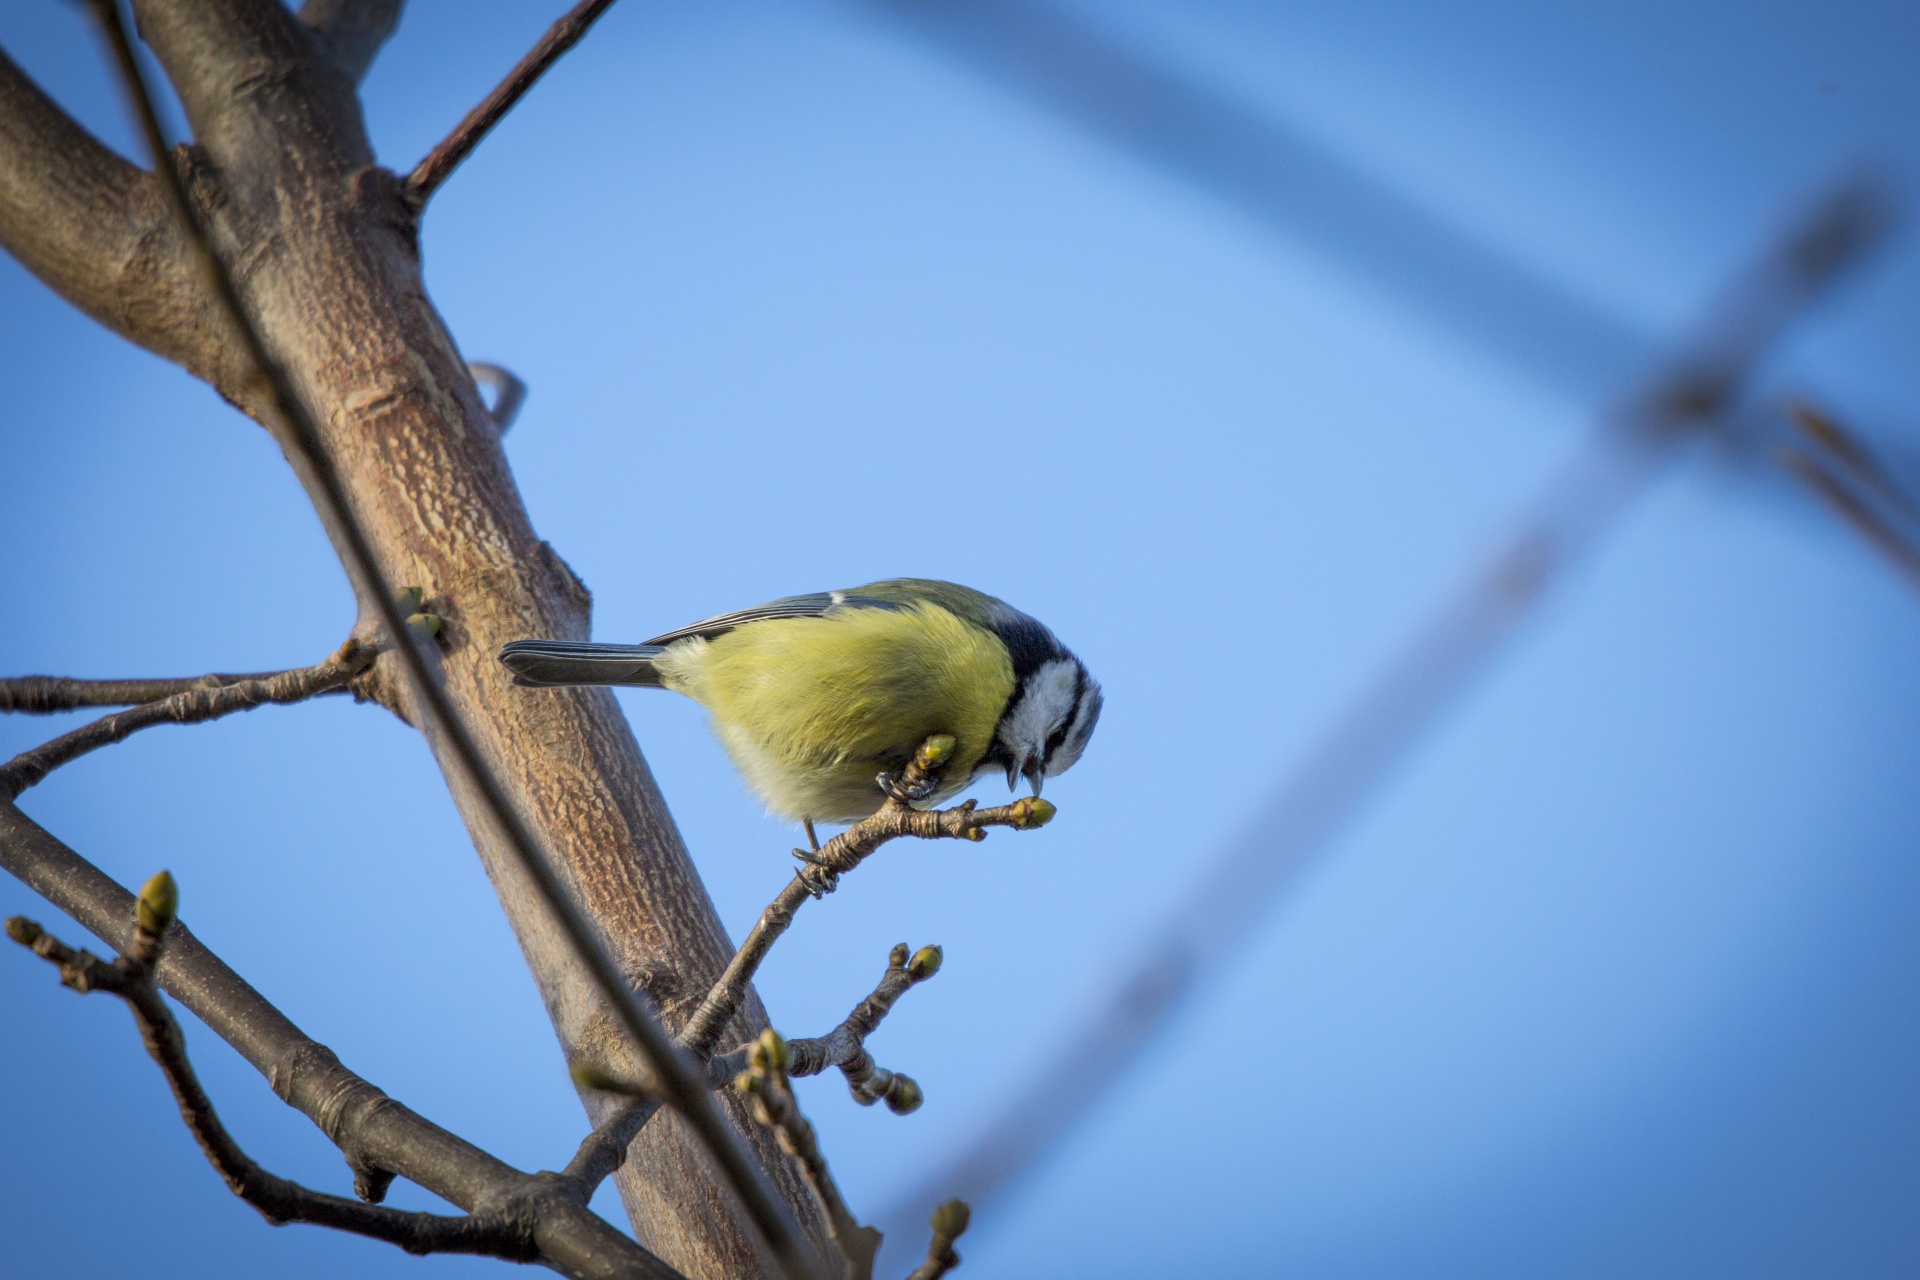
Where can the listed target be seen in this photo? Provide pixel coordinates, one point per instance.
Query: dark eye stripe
(1059, 735)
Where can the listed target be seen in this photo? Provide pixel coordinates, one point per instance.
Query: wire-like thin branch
(203, 699)
(1857, 512)
(509, 393)
(445, 158)
(845, 1046)
(680, 1084)
(765, 1081)
(895, 818)
(499, 1233)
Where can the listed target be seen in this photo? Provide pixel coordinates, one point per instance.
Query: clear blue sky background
(1619, 979)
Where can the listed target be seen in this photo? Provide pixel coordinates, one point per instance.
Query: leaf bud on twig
(24, 931)
(904, 1096)
(159, 903)
(951, 1219)
(926, 962)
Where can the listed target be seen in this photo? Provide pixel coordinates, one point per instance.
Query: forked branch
(896, 817)
(207, 698)
(501, 1231)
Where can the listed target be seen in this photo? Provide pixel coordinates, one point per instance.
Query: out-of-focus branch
(509, 393)
(379, 1137)
(458, 145)
(199, 702)
(896, 817)
(845, 1046)
(765, 1081)
(949, 1224)
(1844, 474)
(353, 30)
(1696, 394)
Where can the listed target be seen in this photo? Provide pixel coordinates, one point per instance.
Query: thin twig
(823, 867)
(602, 1152)
(198, 702)
(682, 1087)
(509, 393)
(845, 1046)
(765, 1081)
(498, 1233)
(949, 1224)
(47, 695)
(477, 123)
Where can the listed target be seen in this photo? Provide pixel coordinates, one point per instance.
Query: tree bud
(1032, 812)
(24, 931)
(159, 903)
(904, 1096)
(925, 963)
(770, 1051)
(951, 1219)
(935, 751)
(897, 958)
(424, 624)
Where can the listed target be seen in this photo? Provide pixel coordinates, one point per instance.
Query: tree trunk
(326, 256)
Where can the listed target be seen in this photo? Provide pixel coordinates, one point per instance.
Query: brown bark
(326, 260)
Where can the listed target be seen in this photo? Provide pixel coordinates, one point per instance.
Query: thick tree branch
(203, 700)
(895, 818)
(458, 145)
(676, 1078)
(352, 30)
(379, 1136)
(96, 231)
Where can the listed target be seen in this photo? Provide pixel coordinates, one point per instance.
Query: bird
(822, 699)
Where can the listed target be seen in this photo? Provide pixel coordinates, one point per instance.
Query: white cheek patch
(1078, 732)
(1047, 701)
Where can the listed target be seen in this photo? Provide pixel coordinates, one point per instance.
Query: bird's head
(1048, 720)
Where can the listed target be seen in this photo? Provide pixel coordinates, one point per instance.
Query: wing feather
(816, 605)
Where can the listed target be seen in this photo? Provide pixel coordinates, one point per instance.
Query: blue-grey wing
(816, 605)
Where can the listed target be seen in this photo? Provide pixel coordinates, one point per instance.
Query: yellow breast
(811, 709)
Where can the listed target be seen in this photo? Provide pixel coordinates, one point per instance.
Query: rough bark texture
(326, 258)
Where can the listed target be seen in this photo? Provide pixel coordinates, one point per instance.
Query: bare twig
(509, 393)
(949, 1224)
(823, 868)
(765, 1081)
(379, 1136)
(845, 1046)
(445, 158)
(682, 1087)
(198, 702)
(46, 695)
(500, 1232)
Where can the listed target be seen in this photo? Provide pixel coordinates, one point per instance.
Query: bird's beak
(1013, 774)
(1036, 772)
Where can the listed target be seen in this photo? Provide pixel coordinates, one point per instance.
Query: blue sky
(1617, 978)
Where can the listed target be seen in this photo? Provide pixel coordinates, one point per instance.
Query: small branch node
(950, 1222)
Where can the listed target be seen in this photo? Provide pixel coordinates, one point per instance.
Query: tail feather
(562, 662)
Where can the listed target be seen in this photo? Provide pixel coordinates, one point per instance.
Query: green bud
(24, 931)
(904, 1097)
(770, 1051)
(936, 751)
(975, 834)
(1032, 812)
(926, 963)
(410, 599)
(424, 624)
(897, 958)
(951, 1219)
(748, 1081)
(159, 903)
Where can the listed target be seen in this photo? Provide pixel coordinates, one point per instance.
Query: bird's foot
(907, 790)
(820, 878)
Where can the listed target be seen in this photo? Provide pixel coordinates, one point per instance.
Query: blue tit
(815, 696)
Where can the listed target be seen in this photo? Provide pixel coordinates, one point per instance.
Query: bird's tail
(560, 662)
